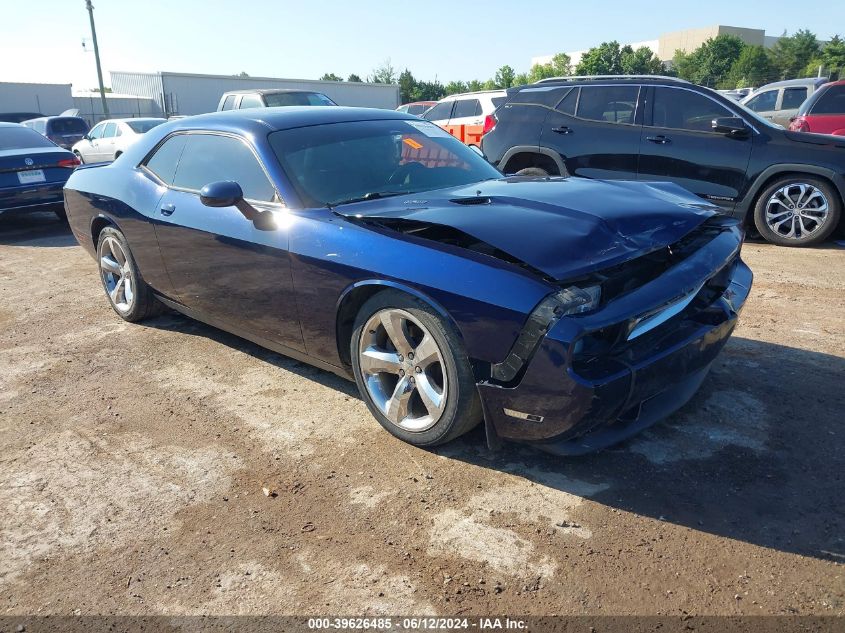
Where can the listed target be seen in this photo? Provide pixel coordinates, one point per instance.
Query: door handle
(563, 130)
(168, 209)
(660, 140)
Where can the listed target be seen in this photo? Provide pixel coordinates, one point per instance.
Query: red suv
(823, 112)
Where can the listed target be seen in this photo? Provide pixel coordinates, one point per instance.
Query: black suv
(660, 128)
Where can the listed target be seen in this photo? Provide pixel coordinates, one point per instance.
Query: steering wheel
(404, 172)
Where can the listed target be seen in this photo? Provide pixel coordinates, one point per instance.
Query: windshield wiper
(372, 195)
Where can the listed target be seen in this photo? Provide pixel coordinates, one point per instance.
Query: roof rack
(609, 77)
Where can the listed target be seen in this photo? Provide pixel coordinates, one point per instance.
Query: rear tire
(128, 293)
(421, 387)
(797, 210)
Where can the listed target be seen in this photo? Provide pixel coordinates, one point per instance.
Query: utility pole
(90, 8)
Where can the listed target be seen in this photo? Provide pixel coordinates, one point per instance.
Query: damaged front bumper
(597, 379)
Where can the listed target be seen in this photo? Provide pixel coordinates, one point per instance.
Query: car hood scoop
(562, 228)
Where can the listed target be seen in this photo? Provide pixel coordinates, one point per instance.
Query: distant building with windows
(687, 40)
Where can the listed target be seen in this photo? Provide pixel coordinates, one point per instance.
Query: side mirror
(730, 126)
(224, 193)
(85, 137)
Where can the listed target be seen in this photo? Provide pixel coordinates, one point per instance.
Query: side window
(210, 158)
(568, 103)
(229, 102)
(109, 131)
(763, 102)
(97, 132)
(467, 107)
(685, 110)
(793, 98)
(831, 102)
(610, 104)
(545, 95)
(163, 163)
(251, 101)
(118, 131)
(439, 112)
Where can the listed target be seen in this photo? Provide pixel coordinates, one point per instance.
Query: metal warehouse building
(43, 98)
(186, 94)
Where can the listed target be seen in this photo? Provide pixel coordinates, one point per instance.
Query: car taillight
(69, 163)
(489, 123)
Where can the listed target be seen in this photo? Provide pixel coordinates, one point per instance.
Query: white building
(186, 93)
(45, 99)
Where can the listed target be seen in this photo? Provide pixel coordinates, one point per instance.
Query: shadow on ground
(34, 229)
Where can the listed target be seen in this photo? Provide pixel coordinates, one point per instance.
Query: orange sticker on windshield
(412, 143)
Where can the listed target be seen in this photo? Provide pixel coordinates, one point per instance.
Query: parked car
(64, 131)
(779, 101)
(737, 95)
(110, 138)
(824, 112)
(665, 129)
(33, 171)
(271, 98)
(18, 117)
(572, 313)
(416, 108)
(467, 116)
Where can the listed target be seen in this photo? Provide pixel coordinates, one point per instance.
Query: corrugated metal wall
(120, 107)
(49, 99)
(182, 93)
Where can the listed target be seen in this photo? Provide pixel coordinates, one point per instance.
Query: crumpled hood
(564, 228)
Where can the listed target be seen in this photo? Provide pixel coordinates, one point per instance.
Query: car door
(679, 145)
(88, 146)
(765, 103)
(219, 263)
(105, 146)
(596, 131)
(467, 121)
(790, 100)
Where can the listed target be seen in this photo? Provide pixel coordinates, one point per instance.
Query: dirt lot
(134, 458)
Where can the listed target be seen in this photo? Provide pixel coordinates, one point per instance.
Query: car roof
(805, 81)
(265, 91)
(54, 117)
(569, 79)
(284, 118)
(497, 91)
(130, 119)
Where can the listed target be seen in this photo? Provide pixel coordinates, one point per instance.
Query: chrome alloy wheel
(117, 277)
(403, 369)
(796, 210)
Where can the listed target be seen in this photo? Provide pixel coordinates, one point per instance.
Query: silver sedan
(110, 138)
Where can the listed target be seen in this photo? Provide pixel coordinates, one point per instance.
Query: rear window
(276, 99)
(166, 158)
(609, 104)
(497, 101)
(21, 138)
(542, 95)
(69, 125)
(467, 107)
(417, 109)
(831, 101)
(142, 127)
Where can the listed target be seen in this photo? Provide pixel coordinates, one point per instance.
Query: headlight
(575, 300)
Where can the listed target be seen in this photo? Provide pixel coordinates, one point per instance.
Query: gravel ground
(135, 457)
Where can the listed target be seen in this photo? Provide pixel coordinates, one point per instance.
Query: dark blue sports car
(569, 313)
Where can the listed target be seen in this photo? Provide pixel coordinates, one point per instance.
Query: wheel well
(97, 227)
(749, 215)
(117, 153)
(346, 313)
(522, 160)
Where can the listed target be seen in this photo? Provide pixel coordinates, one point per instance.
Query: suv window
(793, 98)
(568, 103)
(763, 102)
(610, 104)
(467, 107)
(165, 159)
(439, 112)
(210, 158)
(229, 103)
(251, 101)
(545, 95)
(109, 131)
(685, 110)
(832, 101)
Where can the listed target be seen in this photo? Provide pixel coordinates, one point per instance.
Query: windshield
(143, 126)
(22, 138)
(69, 125)
(276, 99)
(343, 162)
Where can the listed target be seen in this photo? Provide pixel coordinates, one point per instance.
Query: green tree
(792, 54)
(541, 71)
(428, 91)
(490, 84)
(330, 77)
(455, 87)
(521, 79)
(384, 74)
(504, 77)
(642, 61)
(475, 85)
(353, 77)
(710, 63)
(604, 59)
(407, 83)
(752, 68)
(560, 66)
(831, 58)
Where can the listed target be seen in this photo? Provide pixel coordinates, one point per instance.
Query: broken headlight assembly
(575, 300)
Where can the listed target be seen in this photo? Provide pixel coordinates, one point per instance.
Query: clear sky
(42, 40)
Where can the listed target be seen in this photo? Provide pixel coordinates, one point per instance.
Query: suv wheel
(797, 211)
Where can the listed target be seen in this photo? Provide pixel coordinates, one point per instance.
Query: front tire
(128, 293)
(797, 210)
(412, 370)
